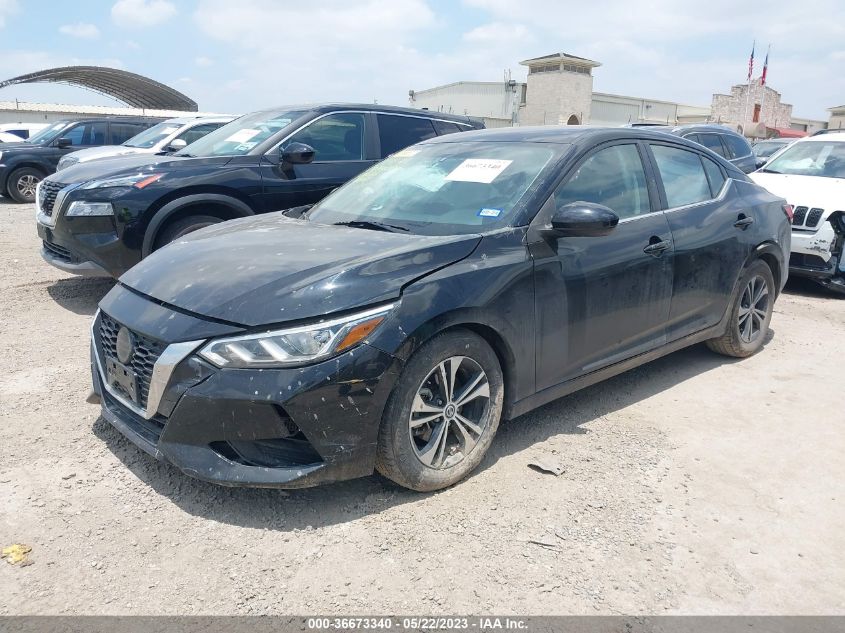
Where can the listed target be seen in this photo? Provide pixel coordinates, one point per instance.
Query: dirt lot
(693, 485)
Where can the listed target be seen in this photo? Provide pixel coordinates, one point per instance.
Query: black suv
(23, 165)
(718, 138)
(103, 217)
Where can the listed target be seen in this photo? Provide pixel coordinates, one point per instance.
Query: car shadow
(80, 294)
(347, 501)
(809, 288)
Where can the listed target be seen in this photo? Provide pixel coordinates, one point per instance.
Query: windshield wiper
(373, 226)
(769, 171)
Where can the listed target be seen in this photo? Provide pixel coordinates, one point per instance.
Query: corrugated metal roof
(131, 89)
(92, 110)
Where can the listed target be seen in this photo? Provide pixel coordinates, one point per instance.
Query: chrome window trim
(163, 368)
(721, 196)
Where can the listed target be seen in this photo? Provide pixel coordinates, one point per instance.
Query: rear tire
(750, 314)
(442, 414)
(179, 228)
(21, 184)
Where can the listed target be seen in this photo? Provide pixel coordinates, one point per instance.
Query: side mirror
(583, 219)
(296, 154)
(177, 144)
(64, 142)
(760, 162)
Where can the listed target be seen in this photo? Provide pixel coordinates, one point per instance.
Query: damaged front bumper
(819, 254)
(282, 428)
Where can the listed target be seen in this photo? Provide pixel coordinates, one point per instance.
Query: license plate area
(120, 376)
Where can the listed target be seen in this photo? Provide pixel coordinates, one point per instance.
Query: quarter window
(711, 142)
(714, 175)
(445, 127)
(398, 132)
(683, 175)
(613, 177)
(737, 146)
(334, 137)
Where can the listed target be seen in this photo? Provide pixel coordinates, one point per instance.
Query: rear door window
(398, 132)
(334, 137)
(683, 176)
(737, 146)
(712, 142)
(122, 132)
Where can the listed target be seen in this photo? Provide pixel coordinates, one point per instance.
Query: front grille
(799, 215)
(57, 251)
(145, 353)
(150, 429)
(49, 190)
(814, 216)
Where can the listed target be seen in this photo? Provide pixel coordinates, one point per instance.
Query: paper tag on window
(489, 213)
(478, 170)
(242, 136)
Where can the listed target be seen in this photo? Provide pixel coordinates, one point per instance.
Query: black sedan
(465, 280)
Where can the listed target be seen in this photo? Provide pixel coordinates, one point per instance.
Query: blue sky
(240, 55)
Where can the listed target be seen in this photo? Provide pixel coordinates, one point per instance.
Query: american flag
(751, 61)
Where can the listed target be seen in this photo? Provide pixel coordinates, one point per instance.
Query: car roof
(559, 134)
(182, 120)
(117, 118)
(370, 107)
(708, 127)
(824, 138)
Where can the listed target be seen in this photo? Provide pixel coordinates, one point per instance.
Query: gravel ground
(694, 484)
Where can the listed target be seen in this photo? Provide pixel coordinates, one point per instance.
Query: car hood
(805, 191)
(108, 151)
(129, 165)
(271, 269)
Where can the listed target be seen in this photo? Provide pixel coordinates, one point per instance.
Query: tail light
(787, 210)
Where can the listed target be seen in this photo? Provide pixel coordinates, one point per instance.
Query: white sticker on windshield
(479, 170)
(242, 136)
(489, 213)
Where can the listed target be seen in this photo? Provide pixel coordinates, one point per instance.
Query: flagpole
(763, 82)
(748, 89)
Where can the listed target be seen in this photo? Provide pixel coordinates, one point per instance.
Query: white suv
(170, 135)
(810, 174)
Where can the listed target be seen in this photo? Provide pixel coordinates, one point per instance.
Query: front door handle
(743, 221)
(655, 248)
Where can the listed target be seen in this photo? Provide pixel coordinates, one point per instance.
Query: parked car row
(425, 280)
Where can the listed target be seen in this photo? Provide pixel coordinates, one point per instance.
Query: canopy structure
(784, 132)
(134, 90)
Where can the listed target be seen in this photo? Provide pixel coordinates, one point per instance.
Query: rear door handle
(656, 248)
(743, 221)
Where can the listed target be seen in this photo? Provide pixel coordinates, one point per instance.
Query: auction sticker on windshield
(242, 136)
(482, 170)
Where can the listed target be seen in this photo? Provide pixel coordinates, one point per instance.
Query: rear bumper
(280, 428)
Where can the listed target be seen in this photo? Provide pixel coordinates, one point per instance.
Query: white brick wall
(732, 108)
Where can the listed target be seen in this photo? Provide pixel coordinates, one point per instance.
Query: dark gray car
(718, 138)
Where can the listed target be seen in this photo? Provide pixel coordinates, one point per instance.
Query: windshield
(440, 189)
(47, 133)
(241, 135)
(148, 138)
(811, 158)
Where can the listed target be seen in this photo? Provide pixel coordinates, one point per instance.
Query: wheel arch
(772, 255)
(486, 328)
(26, 163)
(221, 205)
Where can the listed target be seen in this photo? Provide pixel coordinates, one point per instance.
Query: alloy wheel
(449, 412)
(753, 309)
(26, 185)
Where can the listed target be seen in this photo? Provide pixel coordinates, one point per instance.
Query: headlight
(80, 208)
(139, 181)
(295, 346)
(66, 162)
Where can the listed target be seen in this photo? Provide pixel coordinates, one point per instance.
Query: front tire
(750, 315)
(22, 183)
(182, 227)
(443, 413)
